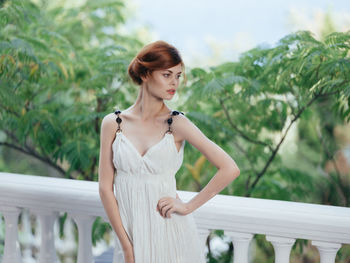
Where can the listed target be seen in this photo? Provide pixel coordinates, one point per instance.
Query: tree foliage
(60, 72)
(252, 104)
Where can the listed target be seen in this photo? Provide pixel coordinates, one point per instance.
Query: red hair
(154, 56)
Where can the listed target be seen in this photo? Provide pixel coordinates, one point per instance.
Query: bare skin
(150, 112)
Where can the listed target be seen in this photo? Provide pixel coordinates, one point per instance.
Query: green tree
(274, 88)
(61, 70)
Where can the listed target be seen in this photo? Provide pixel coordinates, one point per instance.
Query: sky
(212, 32)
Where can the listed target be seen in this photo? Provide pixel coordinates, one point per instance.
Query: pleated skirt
(156, 239)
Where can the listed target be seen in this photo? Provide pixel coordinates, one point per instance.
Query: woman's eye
(166, 75)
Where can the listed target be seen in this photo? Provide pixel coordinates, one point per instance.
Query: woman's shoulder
(110, 119)
(179, 121)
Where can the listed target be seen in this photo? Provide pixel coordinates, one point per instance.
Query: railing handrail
(230, 213)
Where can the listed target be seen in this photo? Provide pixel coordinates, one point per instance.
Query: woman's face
(164, 83)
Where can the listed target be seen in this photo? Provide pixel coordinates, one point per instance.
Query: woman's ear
(144, 79)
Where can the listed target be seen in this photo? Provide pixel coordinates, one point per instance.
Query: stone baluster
(327, 250)
(47, 251)
(282, 247)
(84, 223)
(12, 251)
(240, 244)
(203, 236)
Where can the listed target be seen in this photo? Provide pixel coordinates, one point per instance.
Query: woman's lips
(171, 91)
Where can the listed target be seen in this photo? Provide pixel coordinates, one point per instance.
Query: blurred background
(268, 81)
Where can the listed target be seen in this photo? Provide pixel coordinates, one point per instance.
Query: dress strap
(170, 120)
(118, 120)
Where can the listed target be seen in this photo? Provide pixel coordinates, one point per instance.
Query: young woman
(141, 149)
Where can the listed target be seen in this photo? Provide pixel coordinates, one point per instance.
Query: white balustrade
(282, 247)
(12, 251)
(47, 246)
(203, 235)
(84, 223)
(241, 244)
(240, 218)
(327, 250)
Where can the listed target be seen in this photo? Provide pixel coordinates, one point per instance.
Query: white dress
(140, 181)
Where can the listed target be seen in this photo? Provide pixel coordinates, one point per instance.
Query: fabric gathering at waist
(168, 175)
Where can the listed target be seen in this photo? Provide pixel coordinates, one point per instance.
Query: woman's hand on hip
(168, 205)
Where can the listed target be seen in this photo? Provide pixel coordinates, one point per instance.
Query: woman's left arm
(227, 167)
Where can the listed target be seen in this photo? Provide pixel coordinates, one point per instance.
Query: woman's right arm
(106, 177)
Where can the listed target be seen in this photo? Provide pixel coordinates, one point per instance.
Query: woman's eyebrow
(172, 72)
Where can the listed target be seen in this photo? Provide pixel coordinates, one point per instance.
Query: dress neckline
(149, 150)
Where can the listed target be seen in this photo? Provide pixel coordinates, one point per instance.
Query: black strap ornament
(170, 120)
(118, 120)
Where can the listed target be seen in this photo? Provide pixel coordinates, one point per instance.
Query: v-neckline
(150, 148)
